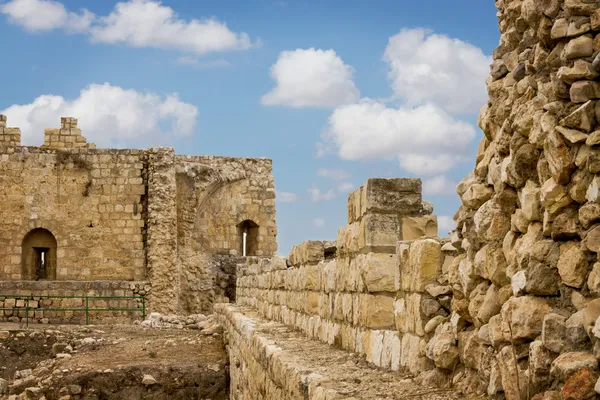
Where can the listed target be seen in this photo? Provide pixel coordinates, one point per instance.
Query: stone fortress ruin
(79, 219)
(507, 307)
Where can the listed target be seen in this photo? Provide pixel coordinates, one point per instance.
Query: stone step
(269, 360)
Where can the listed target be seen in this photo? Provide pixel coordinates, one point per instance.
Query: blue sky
(334, 92)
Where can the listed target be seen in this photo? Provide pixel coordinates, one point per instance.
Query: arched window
(247, 238)
(38, 254)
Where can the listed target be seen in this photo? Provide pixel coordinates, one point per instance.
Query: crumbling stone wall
(526, 281)
(8, 136)
(380, 296)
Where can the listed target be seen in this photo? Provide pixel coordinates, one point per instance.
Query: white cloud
(445, 224)
(335, 174)
(108, 115)
(346, 187)
(286, 197)
(311, 78)
(45, 15)
(137, 23)
(317, 196)
(319, 222)
(439, 185)
(433, 68)
(425, 139)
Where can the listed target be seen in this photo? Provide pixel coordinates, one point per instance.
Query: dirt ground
(112, 362)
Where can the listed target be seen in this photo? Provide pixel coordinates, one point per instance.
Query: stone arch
(247, 238)
(38, 255)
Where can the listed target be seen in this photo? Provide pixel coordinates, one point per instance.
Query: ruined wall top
(9, 136)
(67, 136)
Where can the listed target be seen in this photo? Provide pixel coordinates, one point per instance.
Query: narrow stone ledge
(271, 360)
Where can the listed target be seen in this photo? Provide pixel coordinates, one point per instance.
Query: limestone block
(524, 316)
(398, 195)
(422, 265)
(308, 252)
(553, 332)
(512, 374)
(418, 227)
(572, 264)
(379, 272)
(375, 347)
(442, 348)
(376, 312)
(409, 314)
(568, 363)
(378, 232)
(354, 205)
(412, 355)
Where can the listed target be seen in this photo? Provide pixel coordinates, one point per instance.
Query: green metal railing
(85, 299)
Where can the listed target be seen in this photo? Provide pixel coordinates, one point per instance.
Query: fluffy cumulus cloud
(433, 68)
(286, 197)
(425, 139)
(445, 225)
(137, 23)
(316, 195)
(311, 78)
(439, 185)
(108, 115)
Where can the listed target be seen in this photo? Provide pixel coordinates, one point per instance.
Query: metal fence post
(87, 314)
(143, 308)
(27, 312)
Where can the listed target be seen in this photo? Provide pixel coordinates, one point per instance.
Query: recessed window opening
(41, 262)
(247, 238)
(38, 255)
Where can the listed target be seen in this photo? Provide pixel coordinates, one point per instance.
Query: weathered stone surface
(442, 349)
(423, 265)
(593, 281)
(491, 222)
(524, 315)
(582, 91)
(568, 363)
(582, 46)
(513, 375)
(553, 332)
(572, 264)
(582, 118)
(412, 228)
(592, 239)
(379, 272)
(580, 385)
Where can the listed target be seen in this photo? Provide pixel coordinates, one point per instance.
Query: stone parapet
(372, 303)
(272, 361)
(68, 136)
(9, 137)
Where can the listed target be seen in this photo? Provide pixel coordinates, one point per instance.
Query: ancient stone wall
(73, 212)
(526, 282)
(378, 296)
(34, 296)
(91, 202)
(9, 136)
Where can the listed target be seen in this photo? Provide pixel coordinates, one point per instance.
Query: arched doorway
(247, 238)
(38, 256)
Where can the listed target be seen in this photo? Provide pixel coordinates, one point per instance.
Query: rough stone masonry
(510, 306)
(173, 225)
